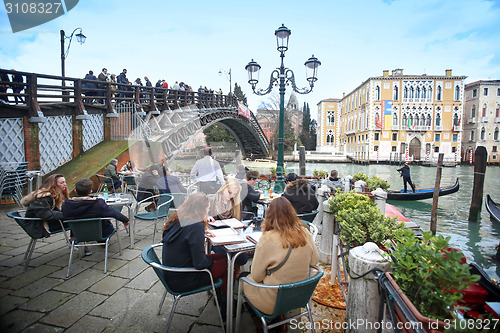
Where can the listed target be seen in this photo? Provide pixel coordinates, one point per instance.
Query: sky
(192, 41)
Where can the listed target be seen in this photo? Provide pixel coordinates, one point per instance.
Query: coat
(270, 253)
(405, 171)
(111, 172)
(301, 196)
(251, 197)
(41, 205)
(185, 247)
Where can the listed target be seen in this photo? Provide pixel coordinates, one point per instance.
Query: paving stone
(77, 267)
(9, 303)
(37, 287)
(4, 257)
(29, 277)
(118, 304)
(113, 264)
(132, 269)
(17, 320)
(74, 309)
(4, 248)
(81, 282)
(12, 271)
(4, 292)
(41, 328)
(13, 261)
(128, 254)
(16, 242)
(144, 281)
(192, 305)
(90, 324)
(47, 301)
(203, 328)
(109, 285)
(57, 257)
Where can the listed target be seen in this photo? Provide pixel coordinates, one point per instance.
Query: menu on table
(223, 236)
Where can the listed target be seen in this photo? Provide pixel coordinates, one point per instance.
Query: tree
(239, 94)
(305, 135)
(313, 130)
(218, 133)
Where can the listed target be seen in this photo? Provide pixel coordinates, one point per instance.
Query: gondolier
(405, 173)
(207, 173)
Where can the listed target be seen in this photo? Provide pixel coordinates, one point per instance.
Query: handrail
(40, 89)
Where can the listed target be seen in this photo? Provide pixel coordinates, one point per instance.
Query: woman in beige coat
(282, 230)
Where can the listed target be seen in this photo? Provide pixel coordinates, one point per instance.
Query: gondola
(420, 194)
(493, 208)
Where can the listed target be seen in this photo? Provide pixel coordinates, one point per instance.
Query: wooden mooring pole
(435, 196)
(480, 157)
(302, 161)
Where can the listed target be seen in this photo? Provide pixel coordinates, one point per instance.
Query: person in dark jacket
(122, 78)
(405, 173)
(90, 85)
(111, 172)
(45, 203)
(4, 86)
(184, 246)
(84, 206)
(300, 194)
(18, 87)
(172, 184)
(251, 196)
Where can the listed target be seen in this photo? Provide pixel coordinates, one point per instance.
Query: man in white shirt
(207, 173)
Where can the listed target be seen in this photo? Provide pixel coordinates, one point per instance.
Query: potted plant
(431, 275)
(361, 220)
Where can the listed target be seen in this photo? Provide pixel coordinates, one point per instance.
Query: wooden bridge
(61, 117)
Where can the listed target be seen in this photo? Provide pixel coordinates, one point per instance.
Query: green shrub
(361, 220)
(430, 273)
(375, 182)
(360, 176)
(272, 170)
(320, 173)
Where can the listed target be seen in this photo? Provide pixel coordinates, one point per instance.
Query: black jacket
(90, 207)
(185, 247)
(252, 196)
(405, 171)
(301, 196)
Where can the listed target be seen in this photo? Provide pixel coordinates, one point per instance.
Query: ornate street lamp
(282, 76)
(80, 38)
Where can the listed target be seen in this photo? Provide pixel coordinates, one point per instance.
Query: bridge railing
(37, 90)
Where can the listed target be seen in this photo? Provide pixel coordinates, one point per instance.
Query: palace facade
(394, 117)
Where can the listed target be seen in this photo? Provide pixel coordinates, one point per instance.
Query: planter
(430, 325)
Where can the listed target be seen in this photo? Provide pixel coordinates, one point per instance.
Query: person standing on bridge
(206, 172)
(405, 173)
(122, 78)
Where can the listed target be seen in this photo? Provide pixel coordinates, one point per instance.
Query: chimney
(343, 94)
(448, 72)
(386, 73)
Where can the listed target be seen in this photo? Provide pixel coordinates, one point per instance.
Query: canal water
(476, 239)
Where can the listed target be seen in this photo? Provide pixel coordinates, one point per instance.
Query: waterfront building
(394, 117)
(482, 119)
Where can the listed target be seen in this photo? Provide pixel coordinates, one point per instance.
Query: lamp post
(80, 37)
(229, 75)
(282, 76)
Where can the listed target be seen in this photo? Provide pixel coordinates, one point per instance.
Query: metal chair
(308, 216)
(163, 202)
(34, 228)
(290, 296)
(150, 257)
(103, 181)
(89, 230)
(131, 181)
(313, 229)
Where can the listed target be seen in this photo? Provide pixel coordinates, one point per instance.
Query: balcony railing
(438, 128)
(395, 127)
(471, 120)
(497, 119)
(484, 119)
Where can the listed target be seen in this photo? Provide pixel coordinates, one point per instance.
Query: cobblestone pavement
(125, 299)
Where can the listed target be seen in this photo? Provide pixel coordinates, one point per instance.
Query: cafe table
(122, 200)
(233, 251)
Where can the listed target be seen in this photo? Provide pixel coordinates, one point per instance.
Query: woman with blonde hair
(283, 255)
(226, 202)
(45, 202)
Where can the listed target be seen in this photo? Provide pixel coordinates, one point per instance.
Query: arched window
(495, 134)
(395, 119)
(473, 111)
(412, 92)
(438, 120)
(455, 119)
(483, 133)
(439, 93)
(404, 120)
(405, 93)
(422, 120)
(457, 93)
(417, 94)
(484, 111)
(429, 92)
(424, 92)
(396, 93)
(377, 93)
(471, 136)
(497, 111)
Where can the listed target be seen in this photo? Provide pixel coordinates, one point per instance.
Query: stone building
(482, 119)
(396, 117)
